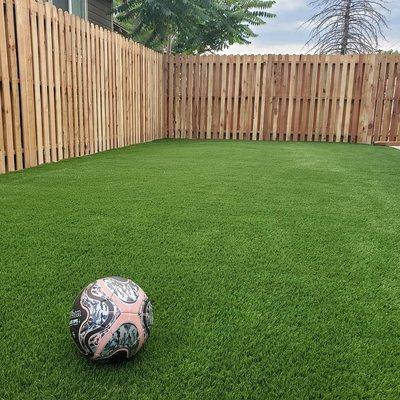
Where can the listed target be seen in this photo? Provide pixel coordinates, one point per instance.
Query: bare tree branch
(347, 26)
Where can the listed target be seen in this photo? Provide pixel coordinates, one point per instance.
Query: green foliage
(390, 52)
(192, 26)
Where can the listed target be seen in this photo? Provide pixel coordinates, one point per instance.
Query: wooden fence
(69, 88)
(273, 97)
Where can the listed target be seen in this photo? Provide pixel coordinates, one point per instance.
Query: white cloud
(260, 48)
(392, 43)
(392, 34)
(289, 5)
(276, 25)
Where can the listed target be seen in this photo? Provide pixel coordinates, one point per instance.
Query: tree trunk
(170, 43)
(346, 28)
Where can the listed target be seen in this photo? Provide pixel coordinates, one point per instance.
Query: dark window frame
(67, 5)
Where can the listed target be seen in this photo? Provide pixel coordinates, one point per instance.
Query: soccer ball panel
(93, 313)
(147, 316)
(124, 339)
(102, 311)
(124, 289)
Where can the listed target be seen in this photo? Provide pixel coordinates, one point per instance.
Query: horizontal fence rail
(353, 98)
(69, 88)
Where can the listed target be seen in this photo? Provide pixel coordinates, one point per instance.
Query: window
(61, 4)
(76, 7)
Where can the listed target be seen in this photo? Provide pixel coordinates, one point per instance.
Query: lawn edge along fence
(69, 88)
(353, 98)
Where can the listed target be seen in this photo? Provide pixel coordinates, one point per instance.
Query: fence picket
(7, 134)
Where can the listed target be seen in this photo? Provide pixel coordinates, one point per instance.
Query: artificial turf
(273, 268)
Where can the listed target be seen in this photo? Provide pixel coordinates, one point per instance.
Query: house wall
(99, 12)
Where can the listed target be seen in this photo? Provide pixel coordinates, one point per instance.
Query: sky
(284, 34)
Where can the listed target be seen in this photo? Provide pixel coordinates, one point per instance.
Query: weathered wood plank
(26, 82)
(7, 135)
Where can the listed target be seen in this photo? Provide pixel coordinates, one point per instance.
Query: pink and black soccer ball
(111, 318)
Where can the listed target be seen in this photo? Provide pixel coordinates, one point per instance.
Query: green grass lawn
(273, 268)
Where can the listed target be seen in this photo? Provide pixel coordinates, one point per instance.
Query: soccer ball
(111, 318)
